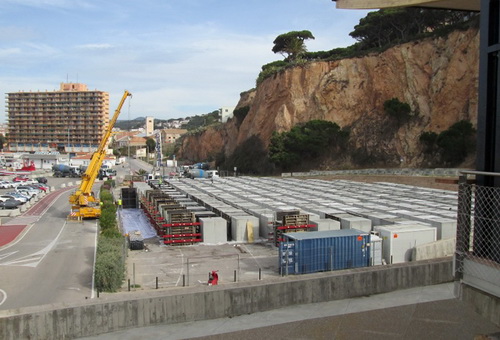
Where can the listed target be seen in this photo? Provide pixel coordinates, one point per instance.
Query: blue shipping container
(317, 251)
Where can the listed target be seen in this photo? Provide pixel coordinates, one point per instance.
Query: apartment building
(70, 120)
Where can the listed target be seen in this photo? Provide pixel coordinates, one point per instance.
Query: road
(52, 259)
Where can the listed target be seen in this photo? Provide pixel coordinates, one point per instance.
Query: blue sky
(178, 58)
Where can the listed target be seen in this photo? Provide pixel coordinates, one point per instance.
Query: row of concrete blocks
(265, 208)
(401, 172)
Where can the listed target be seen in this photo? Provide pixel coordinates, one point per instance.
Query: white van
(212, 173)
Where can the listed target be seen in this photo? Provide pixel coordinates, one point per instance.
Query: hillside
(437, 77)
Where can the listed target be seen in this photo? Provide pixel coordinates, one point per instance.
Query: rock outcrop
(437, 77)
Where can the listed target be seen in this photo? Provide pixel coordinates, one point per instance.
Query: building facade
(226, 113)
(72, 119)
(150, 126)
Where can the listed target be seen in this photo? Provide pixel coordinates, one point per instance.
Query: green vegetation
(110, 255)
(151, 145)
(306, 142)
(376, 32)
(400, 111)
(452, 146)
(250, 158)
(291, 44)
(240, 113)
(204, 120)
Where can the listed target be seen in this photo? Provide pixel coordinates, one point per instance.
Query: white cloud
(102, 46)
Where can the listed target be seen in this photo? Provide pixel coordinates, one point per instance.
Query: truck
(83, 202)
(63, 170)
(199, 173)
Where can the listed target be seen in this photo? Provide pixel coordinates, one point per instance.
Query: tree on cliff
(292, 44)
(393, 26)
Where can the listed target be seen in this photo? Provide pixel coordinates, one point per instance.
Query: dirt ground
(443, 183)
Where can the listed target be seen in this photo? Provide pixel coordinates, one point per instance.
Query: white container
(375, 250)
(240, 228)
(214, 230)
(399, 240)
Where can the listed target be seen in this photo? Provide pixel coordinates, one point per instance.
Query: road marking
(2, 256)
(33, 260)
(4, 296)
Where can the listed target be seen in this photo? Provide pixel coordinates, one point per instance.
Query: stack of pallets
(181, 228)
(290, 224)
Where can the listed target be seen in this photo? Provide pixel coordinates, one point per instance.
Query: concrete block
(214, 230)
(434, 250)
(322, 224)
(239, 225)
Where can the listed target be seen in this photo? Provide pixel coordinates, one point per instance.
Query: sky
(178, 58)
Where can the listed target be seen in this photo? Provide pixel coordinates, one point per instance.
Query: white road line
(182, 268)
(23, 233)
(4, 296)
(34, 259)
(93, 266)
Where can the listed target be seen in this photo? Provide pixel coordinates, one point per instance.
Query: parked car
(41, 180)
(6, 184)
(40, 186)
(15, 196)
(19, 195)
(10, 204)
(30, 191)
(24, 179)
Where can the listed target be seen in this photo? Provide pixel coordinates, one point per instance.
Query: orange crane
(83, 203)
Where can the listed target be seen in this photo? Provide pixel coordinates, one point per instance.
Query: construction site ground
(161, 266)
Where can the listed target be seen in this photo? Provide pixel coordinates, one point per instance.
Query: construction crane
(83, 203)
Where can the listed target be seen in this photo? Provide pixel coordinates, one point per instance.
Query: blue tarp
(134, 219)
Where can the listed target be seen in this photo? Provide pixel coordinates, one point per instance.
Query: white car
(6, 184)
(20, 198)
(31, 192)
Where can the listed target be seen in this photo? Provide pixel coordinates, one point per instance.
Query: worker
(119, 203)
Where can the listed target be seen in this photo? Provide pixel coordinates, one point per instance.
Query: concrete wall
(486, 305)
(211, 302)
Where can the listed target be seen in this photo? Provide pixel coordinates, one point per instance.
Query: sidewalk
(430, 312)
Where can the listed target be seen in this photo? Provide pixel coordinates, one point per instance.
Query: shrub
(429, 139)
(398, 110)
(110, 264)
(456, 142)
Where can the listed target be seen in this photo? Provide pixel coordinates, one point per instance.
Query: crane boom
(83, 203)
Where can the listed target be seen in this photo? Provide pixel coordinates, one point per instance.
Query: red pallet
(295, 226)
(182, 235)
(183, 241)
(186, 224)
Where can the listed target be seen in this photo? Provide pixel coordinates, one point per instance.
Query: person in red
(213, 278)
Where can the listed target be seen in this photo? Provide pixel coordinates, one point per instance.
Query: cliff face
(438, 78)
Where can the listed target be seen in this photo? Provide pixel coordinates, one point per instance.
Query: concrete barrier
(170, 306)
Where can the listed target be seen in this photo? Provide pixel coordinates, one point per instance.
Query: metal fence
(478, 230)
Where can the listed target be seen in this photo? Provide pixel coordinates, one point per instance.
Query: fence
(478, 232)
(194, 271)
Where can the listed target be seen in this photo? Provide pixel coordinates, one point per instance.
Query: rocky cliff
(437, 77)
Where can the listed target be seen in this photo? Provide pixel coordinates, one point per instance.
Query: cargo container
(317, 251)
